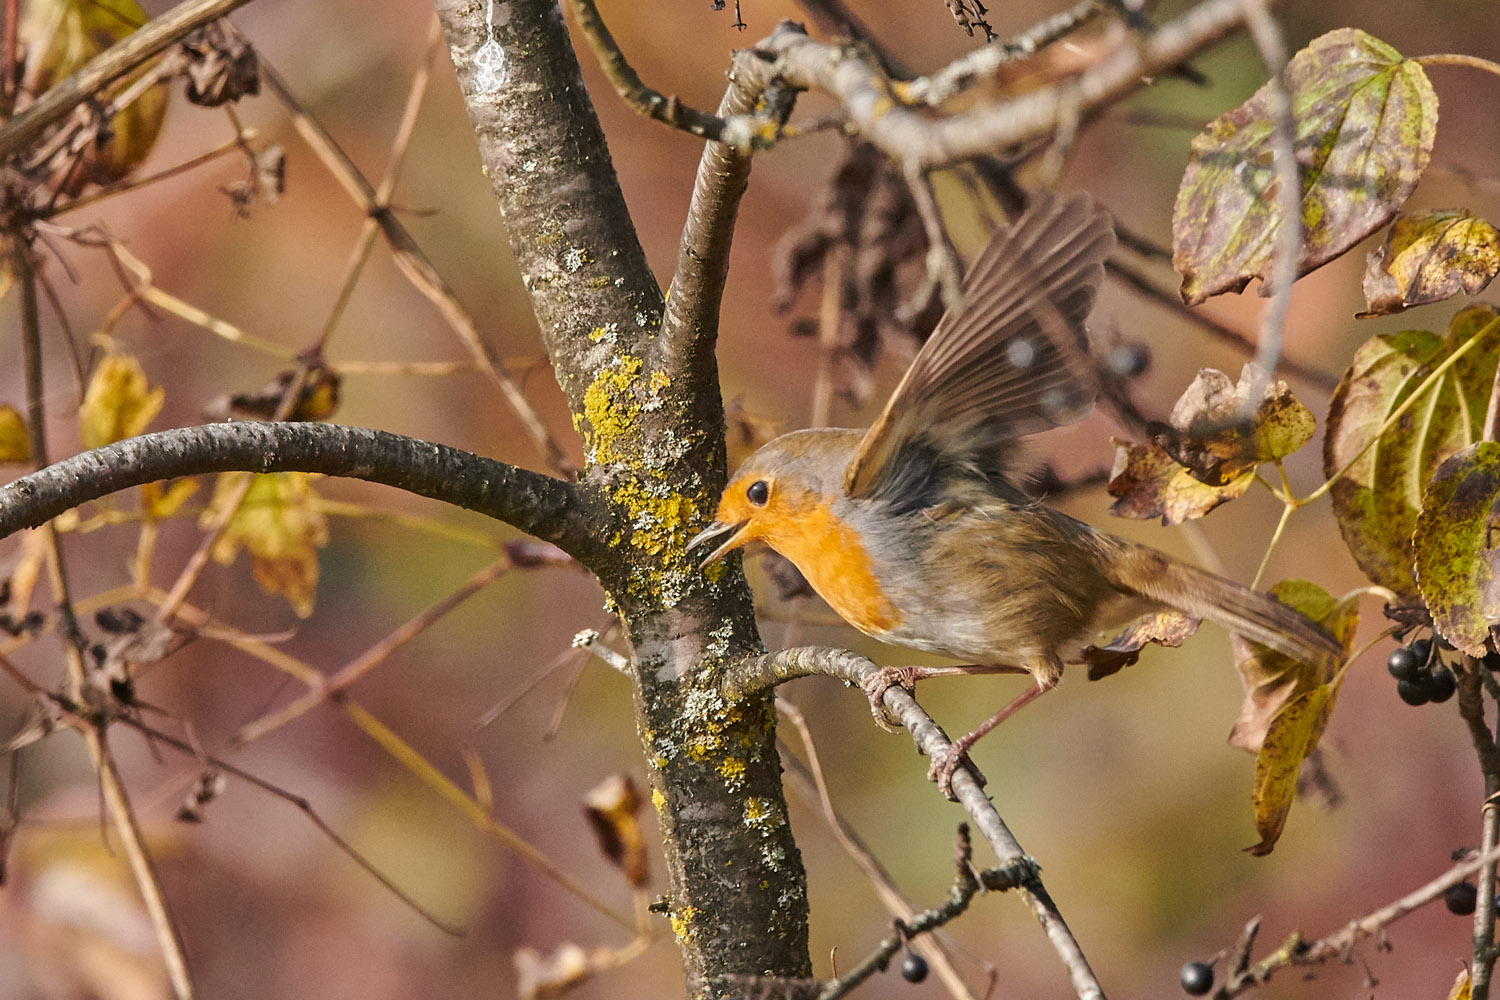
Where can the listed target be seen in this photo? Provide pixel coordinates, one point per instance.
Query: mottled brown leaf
(1377, 498)
(1222, 430)
(1293, 734)
(1147, 482)
(1428, 257)
(1364, 120)
(1457, 545)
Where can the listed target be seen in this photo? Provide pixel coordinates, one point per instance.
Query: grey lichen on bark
(648, 409)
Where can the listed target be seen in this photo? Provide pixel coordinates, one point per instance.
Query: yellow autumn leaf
(280, 525)
(1293, 734)
(119, 402)
(60, 37)
(15, 445)
(161, 503)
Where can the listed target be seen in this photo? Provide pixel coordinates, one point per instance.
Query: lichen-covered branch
(540, 505)
(761, 672)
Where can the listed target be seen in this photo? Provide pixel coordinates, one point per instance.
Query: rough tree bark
(647, 403)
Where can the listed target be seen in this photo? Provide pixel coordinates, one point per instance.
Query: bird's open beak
(711, 532)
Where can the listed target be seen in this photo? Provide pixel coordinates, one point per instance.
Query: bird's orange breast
(832, 556)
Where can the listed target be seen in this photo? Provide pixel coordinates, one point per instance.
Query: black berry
(1414, 692)
(1422, 650)
(1461, 898)
(913, 968)
(1441, 684)
(1197, 978)
(1403, 663)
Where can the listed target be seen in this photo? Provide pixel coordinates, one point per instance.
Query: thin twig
(894, 900)
(1170, 301)
(414, 263)
(765, 671)
(914, 137)
(1338, 945)
(640, 98)
(1286, 255)
(371, 658)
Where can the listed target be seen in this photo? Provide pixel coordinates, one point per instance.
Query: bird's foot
(947, 763)
(877, 684)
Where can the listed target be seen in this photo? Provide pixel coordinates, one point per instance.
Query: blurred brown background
(1124, 790)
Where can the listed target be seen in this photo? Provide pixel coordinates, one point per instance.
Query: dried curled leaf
(613, 809)
(1364, 120)
(119, 402)
(1222, 430)
(1219, 432)
(1287, 706)
(15, 443)
(1462, 988)
(1457, 545)
(1165, 628)
(222, 66)
(1376, 499)
(1428, 257)
(281, 526)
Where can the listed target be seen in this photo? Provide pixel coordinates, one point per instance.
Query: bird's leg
(942, 767)
(875, 685)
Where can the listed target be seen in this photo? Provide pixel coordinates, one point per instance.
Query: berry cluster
(1421, 675)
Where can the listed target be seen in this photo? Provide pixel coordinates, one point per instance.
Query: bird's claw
(877, 684)
(943, 766)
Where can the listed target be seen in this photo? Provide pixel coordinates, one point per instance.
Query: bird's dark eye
(758, 492)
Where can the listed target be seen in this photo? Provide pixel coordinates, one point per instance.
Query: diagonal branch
(562, 513)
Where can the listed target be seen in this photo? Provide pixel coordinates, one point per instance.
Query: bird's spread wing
(1011, 359)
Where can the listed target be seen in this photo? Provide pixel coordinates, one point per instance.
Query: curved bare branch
(550, 509)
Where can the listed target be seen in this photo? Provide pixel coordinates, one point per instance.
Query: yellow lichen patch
(658, 800)
(611, 409)
(732, 770)
(659, 381)
(682, 922)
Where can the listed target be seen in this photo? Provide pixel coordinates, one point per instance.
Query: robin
(915, 532)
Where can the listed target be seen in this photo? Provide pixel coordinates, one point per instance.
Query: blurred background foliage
(1125, 790)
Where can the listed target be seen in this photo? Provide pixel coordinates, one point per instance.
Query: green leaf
(1428, 257)
(1376, 501)
(1457, 545)
(1365, 120)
